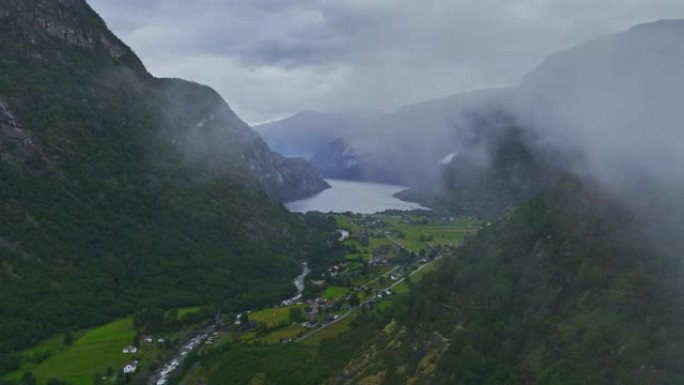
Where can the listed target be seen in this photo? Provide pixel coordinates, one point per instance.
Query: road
(395, 241)
(354, 309)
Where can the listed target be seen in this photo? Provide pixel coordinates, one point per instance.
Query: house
(130, 367)
(130, 349)
(160, 341)
(146, 339)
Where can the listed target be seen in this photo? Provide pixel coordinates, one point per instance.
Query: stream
(299, 283)
(161, 376)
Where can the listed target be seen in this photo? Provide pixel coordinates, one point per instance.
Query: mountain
(577, 277)
(120, 191)
(397, 147)
(415, 143)
(568, 289)
(582, 283)
(505, 167)
(306, 133)
(614, 102)
(606, 109)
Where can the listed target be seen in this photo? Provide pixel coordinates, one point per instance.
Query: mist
(617, 104)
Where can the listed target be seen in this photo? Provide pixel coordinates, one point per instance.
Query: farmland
(95, 351)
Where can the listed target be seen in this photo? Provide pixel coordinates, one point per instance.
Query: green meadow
(273, 316)
(95, 351)
(334, 292)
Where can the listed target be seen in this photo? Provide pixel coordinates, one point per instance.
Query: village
(383, 254)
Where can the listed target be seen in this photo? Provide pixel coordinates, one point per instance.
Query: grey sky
(273, 58)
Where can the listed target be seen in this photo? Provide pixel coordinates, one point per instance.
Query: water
(300, 284)
(357, 197)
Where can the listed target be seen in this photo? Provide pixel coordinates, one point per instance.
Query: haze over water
(358, 197)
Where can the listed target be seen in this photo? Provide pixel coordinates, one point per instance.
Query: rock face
(10, 127)
(68, 21)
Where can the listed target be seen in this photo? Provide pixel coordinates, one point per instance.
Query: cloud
(616, 104)
(271, 58)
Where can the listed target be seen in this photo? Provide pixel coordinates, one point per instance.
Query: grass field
(187, 310)
(345, 222)
(334, 292)
(273, 315)
(288, 332)
(95, 351)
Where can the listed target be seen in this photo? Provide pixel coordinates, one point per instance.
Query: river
(299, 283)
(357, 197)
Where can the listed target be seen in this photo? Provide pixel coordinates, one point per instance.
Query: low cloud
(271, 58)
(617, 103)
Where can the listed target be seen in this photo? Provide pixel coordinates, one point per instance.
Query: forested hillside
(119, 190)
(566, 290)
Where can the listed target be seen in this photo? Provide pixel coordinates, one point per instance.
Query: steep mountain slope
(503, 168)
(615, 102)
(608, 108)
(566, 290)
(119, 190)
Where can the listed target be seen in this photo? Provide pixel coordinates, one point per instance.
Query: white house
(130, 349)
(130, 367)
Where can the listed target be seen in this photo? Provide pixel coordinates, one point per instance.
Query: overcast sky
(273, 58)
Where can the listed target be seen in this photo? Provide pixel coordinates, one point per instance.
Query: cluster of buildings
(132, 366)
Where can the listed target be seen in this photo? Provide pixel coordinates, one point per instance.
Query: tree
(354, 300)
(68, 337)
(296, 314)
(28, 379)
(97, 378)
(136, 340)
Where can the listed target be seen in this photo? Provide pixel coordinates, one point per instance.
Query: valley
(436, 232)
(385, 254)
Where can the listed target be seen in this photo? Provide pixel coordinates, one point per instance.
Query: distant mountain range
(306, 133)
(450, 150)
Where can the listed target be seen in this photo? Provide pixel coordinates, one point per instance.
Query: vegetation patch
(335, 292)
(273, 316)
(96, 351)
